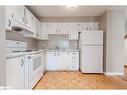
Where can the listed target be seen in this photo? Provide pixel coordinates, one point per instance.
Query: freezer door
(91, 38)
(92, 59)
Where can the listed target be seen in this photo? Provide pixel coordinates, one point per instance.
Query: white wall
(126, 26)
(2, 48)
(115, 41)
(103, 26)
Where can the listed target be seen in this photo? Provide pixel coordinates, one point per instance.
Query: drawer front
(74, 67)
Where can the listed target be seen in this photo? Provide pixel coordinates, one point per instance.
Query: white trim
(113, 73)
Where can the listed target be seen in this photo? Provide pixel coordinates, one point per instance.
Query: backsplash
(58, 40)
(54, 41)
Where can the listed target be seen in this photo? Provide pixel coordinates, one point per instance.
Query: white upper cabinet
(38, 29)
(30, 21)
(63, 28)
(8, 18)
(14, 13)
(88, 26)
(22, 17)
(73, 31)
(70, 28)
(18, 14)
(52, 28)
(44, 31)
(28, 16)
(58, 28)
(34, 24)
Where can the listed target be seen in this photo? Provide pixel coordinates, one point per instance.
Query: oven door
(35, 65)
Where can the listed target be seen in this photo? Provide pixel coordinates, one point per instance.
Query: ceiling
(65, 11)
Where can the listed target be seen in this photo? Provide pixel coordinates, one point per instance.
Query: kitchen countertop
(61, 50)
(17, 54)
(14, 54)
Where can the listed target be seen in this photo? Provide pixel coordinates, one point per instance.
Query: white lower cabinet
(43, 62)
(15, 73)
(62, 61)
(74, 61)
(51, 61)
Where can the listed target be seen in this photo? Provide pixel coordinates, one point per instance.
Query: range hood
(16, 26)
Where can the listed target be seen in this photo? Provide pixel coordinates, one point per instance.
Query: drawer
(74, 57)
(74, 67)
(75, 53)
(74, 61)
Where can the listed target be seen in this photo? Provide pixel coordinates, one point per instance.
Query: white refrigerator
(91, 51)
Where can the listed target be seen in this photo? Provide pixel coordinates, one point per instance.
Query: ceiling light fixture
(72, 5)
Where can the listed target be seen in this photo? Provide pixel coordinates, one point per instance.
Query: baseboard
(113, 73)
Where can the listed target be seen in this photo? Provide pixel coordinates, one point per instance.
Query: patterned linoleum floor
(77, 80)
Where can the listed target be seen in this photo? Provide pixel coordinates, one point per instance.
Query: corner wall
(103, 26)
(115, 41)
(113, 24)
(2, 47)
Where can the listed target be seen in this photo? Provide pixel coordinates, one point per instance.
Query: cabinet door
(18, 14)
(15, 73)
(53, 28)
(38, 29)
(62, 61)
(73, 31)
(63, 28)
(34, 24)
(51, 61)
(44, 31)
(44, 61)
(8, 19)
(28, 17)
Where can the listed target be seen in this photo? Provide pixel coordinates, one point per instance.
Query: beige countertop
(61, 50)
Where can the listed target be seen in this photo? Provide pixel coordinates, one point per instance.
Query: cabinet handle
(22, 19)
(56, 31)
(73, 53)
(59, 30)
(26, 21)
(22, 62)
(9, 22)
(12, 15)
(73, 61)
(29, 57)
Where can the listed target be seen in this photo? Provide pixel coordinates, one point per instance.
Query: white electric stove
(32, 59)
